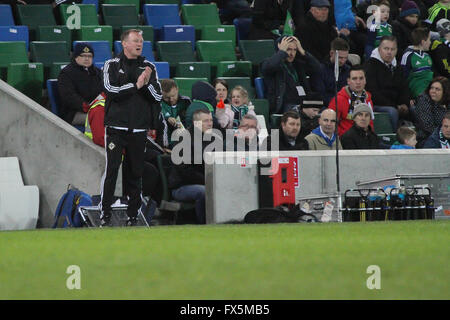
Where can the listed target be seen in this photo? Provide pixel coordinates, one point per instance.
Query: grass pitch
(283, 261)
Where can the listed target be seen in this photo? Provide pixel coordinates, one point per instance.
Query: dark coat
(284, 145)
(78, 85)
(356, 138)
(402, 29)
(276, 77)
(387, 88)
(267, 15)
(326, 83)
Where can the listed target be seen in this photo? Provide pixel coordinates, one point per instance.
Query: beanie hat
(443, 27)
(362, 107)
(312, 100)
(82, 47)
(408, 8)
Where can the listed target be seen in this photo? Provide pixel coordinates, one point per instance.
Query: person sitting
(309, 113)
(360, 135)
(403, 26)
(438, 11)
(203, 97)
(290, 138)
(79, 83)
(440, 138)
(324, 136)
(378, 29)
(327, 83)
(349, 95)
(431, 107)
(406, 138)
(417, 62)
(268, 19)
(246, 135)
(387, 82)
(285, 74)
(440, 49)
(173, 106)
(221, 87)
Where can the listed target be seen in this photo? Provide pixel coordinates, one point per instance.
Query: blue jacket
(433, 141)
(397, 145)
(325, 83)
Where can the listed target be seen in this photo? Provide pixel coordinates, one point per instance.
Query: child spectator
(406, 138)
(240, 106)
(379, 28)
(417, 62)
(403, 26)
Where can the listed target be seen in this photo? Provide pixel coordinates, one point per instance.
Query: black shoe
(131, 222)
(105, 220)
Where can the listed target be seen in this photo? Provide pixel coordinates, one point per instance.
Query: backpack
(67, 214)
(279, 215)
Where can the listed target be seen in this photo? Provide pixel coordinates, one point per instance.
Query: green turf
(285, 261)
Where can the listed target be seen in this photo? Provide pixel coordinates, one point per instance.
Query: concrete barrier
(51, 152)
(232, 189)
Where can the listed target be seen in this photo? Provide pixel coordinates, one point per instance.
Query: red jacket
(344, 100)
(96, 118)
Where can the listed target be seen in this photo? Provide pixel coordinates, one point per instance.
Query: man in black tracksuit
(132, 96)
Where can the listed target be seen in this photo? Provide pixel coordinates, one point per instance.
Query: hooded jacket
(318, 141)
(203, 97)
(388, 87)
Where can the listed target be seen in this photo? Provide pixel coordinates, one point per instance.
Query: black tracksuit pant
(133, 144)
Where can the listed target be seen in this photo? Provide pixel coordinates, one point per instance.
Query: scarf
(320, 133)
(445, 143)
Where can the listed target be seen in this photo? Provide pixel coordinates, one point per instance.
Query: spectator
(309, 113)
(133, 93)
(399, 6)
(173, 106)
(327, 82)
(187, 180)
(79, 83)
(324, 136)
(417, 63)
(387, 82)
(403, 26)
(268, 20)
(94, 127)
(316, 32)
(440, 49)
(230, 115)
(406, 138)
(440, 138)
(221, 87)
(360, 135)
(231, 9)
(290, 138)
(431, 107)
(246, 136)
(348, 96)
(203, 97)
(285, 74)
(379, 28)
(438, 11)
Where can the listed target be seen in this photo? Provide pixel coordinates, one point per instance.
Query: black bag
(279, 214)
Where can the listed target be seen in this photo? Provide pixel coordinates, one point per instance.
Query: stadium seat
(95, 33)
(163, 69)
(185, 85)
(14, 33)
(193, 70)
(94, 2)
(116, 15)
(11, 52)
(55, 69)
(275, 120)
(199, 15)
(53, 95)
(48, 52)
(89, 15)
(147, 31)
(101, 48)
(147, 50)
(256, 50)
(6, 16)
(215, 51)
(262, 108)
(136, 3)
(177, 2)
(175, 51)
(260, 88)
(28, 78)
(178, 33)
(234, 69)
(382, 123)
(158, 15)
(388, 138)
(165, 164)
(222, 32)
(35, 15)
(245, 82)
(242, 26)
(99, 64)
(55, 33)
